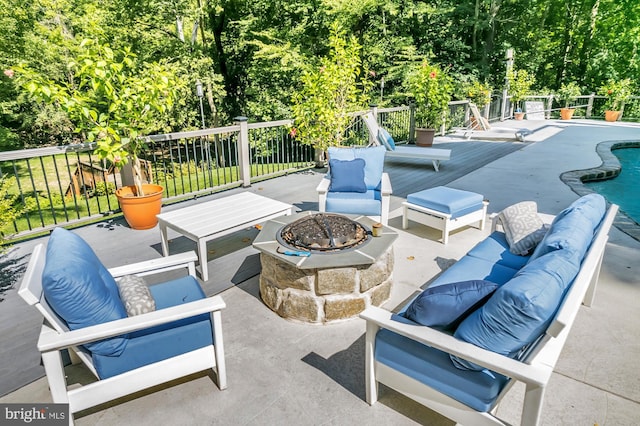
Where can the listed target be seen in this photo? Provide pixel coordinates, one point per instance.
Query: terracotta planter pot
(566, 113)
(518, 115)
(611, 115)
(424, 137)
(140, 212)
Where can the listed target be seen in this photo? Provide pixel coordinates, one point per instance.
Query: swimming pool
(623, 190)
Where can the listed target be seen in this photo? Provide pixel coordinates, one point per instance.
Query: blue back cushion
(521, 309)
(347, 175)
(80, 289)
(445, 306)
(372, 156)
(573, 227)
(386, 140)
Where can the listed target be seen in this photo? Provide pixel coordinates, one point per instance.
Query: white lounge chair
(482, 124)
(379, 136)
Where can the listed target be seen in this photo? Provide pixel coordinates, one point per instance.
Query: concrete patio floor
(283, 373)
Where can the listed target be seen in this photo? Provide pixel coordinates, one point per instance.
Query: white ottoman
(444, 208)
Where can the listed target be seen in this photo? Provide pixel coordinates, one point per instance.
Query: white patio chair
(83, 312)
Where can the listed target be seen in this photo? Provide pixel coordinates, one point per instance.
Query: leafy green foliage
(617, 93)
(567, 93)
(520, 83)
(328, 94)
(112, 99)
(477, 92)
(8, 210)
(431, 89)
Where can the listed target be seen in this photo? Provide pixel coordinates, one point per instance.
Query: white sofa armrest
(51, 340)
(532, 374)
(154, 266)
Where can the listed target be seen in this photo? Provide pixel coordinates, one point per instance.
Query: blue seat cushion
(476, 389)
(80, 290)
(573, 228)
(445, 306)
(165, 341)
(495, 249)
(454, 202)
(472, 268)
(347, 176)
(521, 309)
(368, 203)
(372, 156)
(386, 140)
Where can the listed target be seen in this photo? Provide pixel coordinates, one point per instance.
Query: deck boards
(231, 258)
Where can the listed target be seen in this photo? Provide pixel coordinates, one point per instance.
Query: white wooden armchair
(372, 199)
(197, 320)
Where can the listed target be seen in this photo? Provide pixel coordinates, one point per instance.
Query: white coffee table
(204, 222)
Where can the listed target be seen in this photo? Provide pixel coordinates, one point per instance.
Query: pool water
(623, 190)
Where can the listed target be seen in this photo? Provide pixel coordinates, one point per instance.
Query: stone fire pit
(327, 286)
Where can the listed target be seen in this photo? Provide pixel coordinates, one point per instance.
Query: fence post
(590, 105)
(243, 151)
(412, 122)
(549, 106)
(374, 112)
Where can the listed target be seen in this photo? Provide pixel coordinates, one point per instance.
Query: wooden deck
(231, 256)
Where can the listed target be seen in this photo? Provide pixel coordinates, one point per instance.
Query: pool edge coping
(609, 169)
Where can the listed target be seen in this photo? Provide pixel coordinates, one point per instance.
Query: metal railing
(69, 185)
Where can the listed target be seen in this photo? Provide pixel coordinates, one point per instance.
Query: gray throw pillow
(135, 295)
(523, 228)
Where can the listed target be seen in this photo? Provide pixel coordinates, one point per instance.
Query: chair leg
(532, 408)
(54, 370)
(218, 347)
(371, 385)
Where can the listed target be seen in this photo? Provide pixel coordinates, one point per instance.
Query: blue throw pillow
(374, 164)
(80, 289)
(385, 139)
(445, 306)
(347, 176)
(521, 309)
(573, 227)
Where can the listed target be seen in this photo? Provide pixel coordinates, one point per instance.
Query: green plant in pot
(617, 92)
(114, 100)
(431, 89)
(479, 93)
(327, 95)
(520, 83)
(567, 93)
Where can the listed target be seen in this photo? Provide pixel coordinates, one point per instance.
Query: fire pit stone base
(323, 295)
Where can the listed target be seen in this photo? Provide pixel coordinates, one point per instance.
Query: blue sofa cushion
(445, 306)
(472, 268)
(573, 228)
(165, 341)
(520, 310)
(447, 200)
(476, 389)
(368, 203)
(80, 289)
(372, 156)
(347, 176)
(495, 249)
(386, 140)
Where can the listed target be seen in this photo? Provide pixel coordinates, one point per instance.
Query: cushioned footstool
(444, 208)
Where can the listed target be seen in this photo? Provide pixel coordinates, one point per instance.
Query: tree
(112, 99)
(328, 93)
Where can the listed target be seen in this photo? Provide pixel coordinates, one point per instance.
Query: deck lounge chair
(482, 124)
(380, 136)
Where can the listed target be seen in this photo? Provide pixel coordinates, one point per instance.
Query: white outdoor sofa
(420, 361)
